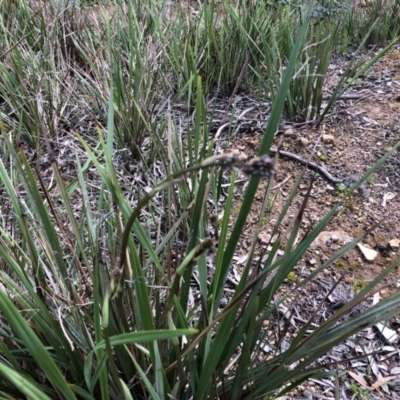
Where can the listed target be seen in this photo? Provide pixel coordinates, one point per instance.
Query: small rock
(368, 253)
(384, 250)
(383, 292)
(394, 244)
(303, 141)
(328, 237)
(330, 139)
(289, 132)
(313, 261)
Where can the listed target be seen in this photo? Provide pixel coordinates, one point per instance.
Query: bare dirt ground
(363, 126)
(350, 140)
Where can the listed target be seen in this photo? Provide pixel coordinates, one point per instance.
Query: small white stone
(368, 253)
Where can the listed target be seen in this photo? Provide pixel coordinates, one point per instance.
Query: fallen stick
(315, 167)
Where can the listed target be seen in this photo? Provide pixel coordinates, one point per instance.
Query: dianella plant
(112, 285)
(305, 100)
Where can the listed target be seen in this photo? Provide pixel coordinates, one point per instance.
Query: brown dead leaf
(381, 382)
(360, 380)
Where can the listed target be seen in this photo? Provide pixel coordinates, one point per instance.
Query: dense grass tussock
(96, 264)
